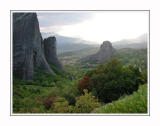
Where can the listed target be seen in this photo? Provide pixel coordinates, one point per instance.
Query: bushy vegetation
(110, 81)
(77, 90)
(86, 103)
(41, 92)
(37, 99)
(47, 93)
(135, 103)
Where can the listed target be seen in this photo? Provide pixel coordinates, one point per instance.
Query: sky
(95, 26)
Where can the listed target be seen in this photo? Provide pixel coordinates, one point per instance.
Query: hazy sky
(95, 26)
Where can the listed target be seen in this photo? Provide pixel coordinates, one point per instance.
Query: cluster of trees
(135, 103)
(47, 93)
(111, 80)
(49, 100)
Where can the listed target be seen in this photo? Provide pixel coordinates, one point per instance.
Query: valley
(75, 78)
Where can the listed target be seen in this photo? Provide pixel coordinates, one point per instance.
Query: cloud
(110, 26)
(96, 26)
(61, 18)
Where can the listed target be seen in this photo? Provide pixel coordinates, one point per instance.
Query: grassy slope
(135, 103)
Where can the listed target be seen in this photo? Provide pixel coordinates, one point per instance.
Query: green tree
(110, 81)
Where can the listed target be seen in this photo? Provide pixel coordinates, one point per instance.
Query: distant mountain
(104, 53)
(138, 43)
(65, 44)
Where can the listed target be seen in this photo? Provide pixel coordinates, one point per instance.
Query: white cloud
(107, 25)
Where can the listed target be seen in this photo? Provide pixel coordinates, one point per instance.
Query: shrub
(111, 80)
(60, 107)
(144, 75)
(49, 101)
(30, 106)
(135, 103)
(84, 83)
(86, 103)
(70, 92)
(56, 70)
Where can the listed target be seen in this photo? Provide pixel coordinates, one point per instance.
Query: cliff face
(50, 52)
(104, 54)
(27, 46)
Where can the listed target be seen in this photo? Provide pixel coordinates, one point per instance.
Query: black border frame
(60, 114)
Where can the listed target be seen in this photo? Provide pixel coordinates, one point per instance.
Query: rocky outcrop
(27, 46)
(104, 54)
(50, 52)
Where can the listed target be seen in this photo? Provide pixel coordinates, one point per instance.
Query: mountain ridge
(104, 54)
(65, 44)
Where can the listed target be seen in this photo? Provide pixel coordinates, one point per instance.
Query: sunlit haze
(96, 26)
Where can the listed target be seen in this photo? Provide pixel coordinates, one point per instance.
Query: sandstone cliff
(50, 52)
(104, 54)
(27, 46)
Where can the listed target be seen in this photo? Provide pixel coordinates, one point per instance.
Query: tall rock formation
(50, 52)
(104, 54)
(27, 46)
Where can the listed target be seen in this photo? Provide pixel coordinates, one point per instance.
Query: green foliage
(111, 80)
(30, 106)
(40, 90)
(59, 93)
(44, 79)
(25, 99)
(70, 92)
(144, 75)
(133, 56)
(56, 70)
(86, 103)
(60, 106)
(18, 81)
(75, 72)
(135, 103)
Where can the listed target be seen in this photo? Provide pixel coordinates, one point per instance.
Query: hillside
(135, 103)
(133, 56)
(126, 55)
(81, 78)
(47, 93)
(137, 43)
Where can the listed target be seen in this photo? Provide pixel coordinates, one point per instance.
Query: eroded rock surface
(103, 55)
(50, 52)
(27, 46)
